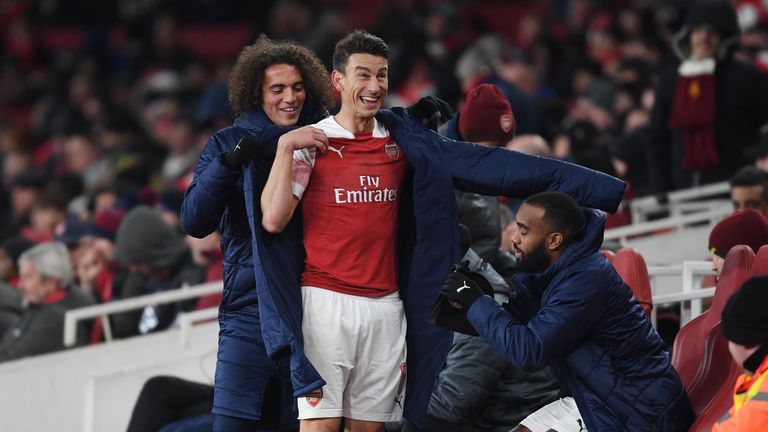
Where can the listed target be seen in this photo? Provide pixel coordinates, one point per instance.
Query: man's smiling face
(363, 85)
(283, 94)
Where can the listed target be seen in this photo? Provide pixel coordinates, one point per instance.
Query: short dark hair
(561, 211)
(751, 175)
(358, 42)
(247, 76)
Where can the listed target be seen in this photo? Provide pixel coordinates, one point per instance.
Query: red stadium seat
(723, 398)
(700, 353)
(609, 255)
(630, 265)
(760, 264)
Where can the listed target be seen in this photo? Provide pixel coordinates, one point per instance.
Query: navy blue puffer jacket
(581, 318)
(216, 199)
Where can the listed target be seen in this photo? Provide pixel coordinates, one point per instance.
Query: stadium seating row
(700, 353)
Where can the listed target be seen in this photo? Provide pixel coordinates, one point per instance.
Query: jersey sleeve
(303, 161)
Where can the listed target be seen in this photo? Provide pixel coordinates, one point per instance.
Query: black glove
(245, 151)
(460, 287)
(430, 108)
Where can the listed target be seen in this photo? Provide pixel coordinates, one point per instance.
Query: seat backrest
(721, 400)
(700, 352)
(688, 350)
(609, 255)
(760, 264)
(630, 265)
(718, 371)
(736, 269)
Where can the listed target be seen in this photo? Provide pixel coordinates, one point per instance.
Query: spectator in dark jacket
(478, 389)
(47, 293)
(573, 312)
(157, 259)
(708, 113)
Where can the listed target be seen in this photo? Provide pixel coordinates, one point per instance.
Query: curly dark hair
(247, 76)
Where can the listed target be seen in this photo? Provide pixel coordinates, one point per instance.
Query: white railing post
(691, 273)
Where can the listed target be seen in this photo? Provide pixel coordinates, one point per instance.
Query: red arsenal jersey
(349, 197)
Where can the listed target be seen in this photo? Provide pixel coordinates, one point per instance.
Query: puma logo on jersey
(461, 288)
(337, 151)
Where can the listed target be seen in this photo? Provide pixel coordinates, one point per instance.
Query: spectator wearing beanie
(745, 325)
(486, 119)
(745, 227)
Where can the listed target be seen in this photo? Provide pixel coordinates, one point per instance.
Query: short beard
(534, 261)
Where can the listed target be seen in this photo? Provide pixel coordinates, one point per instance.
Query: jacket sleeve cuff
(218, 179)
(481, 312)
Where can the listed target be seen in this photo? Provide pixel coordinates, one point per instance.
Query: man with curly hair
(273, 85)
(377, 194)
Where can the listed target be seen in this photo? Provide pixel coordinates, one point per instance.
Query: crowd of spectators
(104, 106)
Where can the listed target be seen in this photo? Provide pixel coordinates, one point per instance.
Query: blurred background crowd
(105, 106)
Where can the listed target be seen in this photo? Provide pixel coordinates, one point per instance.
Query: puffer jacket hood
(145, 238)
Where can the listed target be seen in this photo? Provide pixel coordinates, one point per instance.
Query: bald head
(530, 144)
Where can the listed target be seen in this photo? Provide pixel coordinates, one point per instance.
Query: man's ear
(555, 241)
(336, 78)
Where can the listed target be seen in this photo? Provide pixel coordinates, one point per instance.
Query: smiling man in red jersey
(349, 282)
(379, 218)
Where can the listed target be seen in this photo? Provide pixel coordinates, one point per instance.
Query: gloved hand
(430, 108)
(246, 150)
(460, 288)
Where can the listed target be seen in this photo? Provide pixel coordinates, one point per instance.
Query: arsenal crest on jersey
(314, 397)
(392, 150)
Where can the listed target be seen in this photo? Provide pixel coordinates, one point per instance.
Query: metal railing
(692, 273)
(622, 234)
(677, 202)
(102, 311)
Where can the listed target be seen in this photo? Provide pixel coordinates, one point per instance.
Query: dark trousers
(165, 399)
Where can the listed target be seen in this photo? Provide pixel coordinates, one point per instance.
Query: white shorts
(561, 415)
(357, 344)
